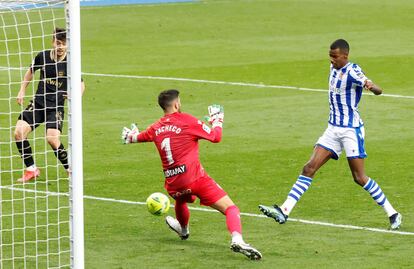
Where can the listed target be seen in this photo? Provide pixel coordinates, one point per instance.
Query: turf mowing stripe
(128, 2)
(231, 83)
(244, 84)
(344, 226)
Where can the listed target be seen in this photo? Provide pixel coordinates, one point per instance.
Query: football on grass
(158, 204)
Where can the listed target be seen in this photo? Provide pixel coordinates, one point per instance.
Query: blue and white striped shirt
(345, 91)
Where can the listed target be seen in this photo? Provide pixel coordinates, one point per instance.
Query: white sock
(185, 230)
(31, 168)
(237, 238)
(298, 189)
(288, 205)
(389, 209)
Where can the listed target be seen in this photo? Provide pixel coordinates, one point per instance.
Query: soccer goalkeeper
(176, 137)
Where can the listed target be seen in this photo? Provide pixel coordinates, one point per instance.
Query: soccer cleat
(247, 250)
(29, 175)
(274, 212)
(395, 221)
(176, 227)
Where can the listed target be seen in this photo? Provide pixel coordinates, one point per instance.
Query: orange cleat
(29, 175)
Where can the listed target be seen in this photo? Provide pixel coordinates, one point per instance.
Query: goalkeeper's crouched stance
(176, 137)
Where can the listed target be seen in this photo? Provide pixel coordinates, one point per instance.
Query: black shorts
(35, 115)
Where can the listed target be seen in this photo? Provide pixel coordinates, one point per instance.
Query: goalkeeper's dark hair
(59, 34)
(340, 44)
(165, 98)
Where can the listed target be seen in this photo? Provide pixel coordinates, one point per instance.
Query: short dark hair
(59, 34)
(340, 44)
(166, 97)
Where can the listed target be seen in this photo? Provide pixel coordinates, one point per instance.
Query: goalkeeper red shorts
(205, 188)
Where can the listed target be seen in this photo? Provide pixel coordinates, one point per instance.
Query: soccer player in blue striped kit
(345, 132)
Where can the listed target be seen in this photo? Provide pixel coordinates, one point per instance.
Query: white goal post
(41, 221)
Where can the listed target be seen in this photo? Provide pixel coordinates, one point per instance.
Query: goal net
(36, 217)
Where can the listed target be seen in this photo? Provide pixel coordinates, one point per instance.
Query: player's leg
(24, 126)
(319, 157)
(180, 224)
(372, 187)
(211, 194)
(21, 133)
(353, 141)
(53, 138)
(226, 206)
(54, 125)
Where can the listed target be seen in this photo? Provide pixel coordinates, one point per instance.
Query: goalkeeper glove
(130, 135)
(216, 115)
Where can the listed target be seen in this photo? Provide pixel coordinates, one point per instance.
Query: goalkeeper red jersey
(176, 137)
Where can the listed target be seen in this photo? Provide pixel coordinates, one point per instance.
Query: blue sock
(298, 189)
(376, 193)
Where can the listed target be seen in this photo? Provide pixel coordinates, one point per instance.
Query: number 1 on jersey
(165, 145)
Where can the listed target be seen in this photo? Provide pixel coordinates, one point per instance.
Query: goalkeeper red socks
(182, 213)
(233, 219)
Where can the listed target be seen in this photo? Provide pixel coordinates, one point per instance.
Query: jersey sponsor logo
(181, 193)
(54, 82)
(335, 90)
(168, 128)
(332, 86)
(175, 171)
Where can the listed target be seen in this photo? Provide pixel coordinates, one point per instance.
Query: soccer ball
(158, 204)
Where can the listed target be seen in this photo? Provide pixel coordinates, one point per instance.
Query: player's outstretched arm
(216, 116)
(369, 85)
(129, 136)
(28, 76)
(215, 119)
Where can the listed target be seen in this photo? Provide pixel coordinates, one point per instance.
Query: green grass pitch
(268, 134)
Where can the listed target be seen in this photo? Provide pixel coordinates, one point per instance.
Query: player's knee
(232, 208)
(222, 204)
(53, 141)
(19, 134)
(360, 179)
(309, 170)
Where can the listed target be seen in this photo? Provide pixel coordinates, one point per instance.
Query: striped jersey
(345, 91)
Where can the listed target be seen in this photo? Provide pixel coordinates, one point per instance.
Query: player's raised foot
(395, 221)
(274, 212)
(247, 250)
(176, 227)
(29, 175)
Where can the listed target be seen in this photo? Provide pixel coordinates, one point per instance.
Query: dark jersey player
(47, 105)
(176, 137)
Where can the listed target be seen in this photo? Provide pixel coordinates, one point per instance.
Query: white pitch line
(244, 84)
(320, 223)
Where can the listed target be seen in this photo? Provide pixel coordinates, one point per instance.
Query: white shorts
(335, 139)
